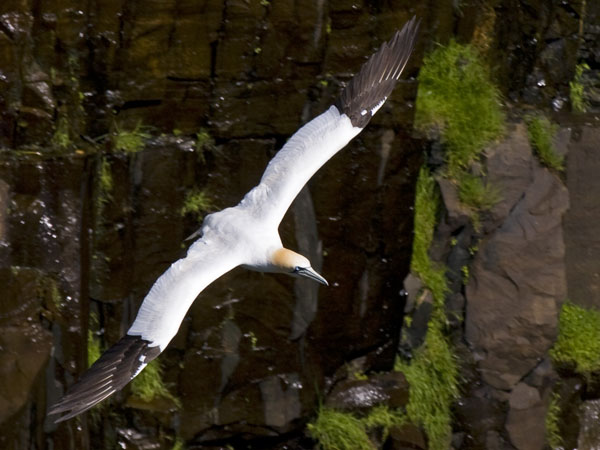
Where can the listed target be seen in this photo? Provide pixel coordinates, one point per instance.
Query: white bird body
(243, 235)
(247, 234)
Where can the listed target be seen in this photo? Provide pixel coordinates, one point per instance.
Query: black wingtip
(113, 370)
(371, 86)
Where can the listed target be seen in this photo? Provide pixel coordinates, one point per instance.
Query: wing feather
(321, 138)
(155, 325)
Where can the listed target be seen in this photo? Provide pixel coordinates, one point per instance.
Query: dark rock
(509, 167)
(133, 439)
(568, 393)
(458, 259)
(406, 437)
(517, 284)
(25, 351)
(457, 215)
(543, 375)
(281, 400)
(589, 433)
(526, 427)
(524, 396)
(412, 285)
(25, 292)
(413, 336)
(306, 233)
(455, 309)
(582, 239)
(562, 140)
(255, 348)
(495, 441)
(479, 414)
(4, 223)
(390, 389)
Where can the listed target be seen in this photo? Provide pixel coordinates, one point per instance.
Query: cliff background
(122, 123)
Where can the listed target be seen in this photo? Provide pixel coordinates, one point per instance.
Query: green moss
(94, 350)
(426, 209)
(578, 343)
(61, 138)
(465, 274)
(54, 294)
(178, 444)
(130, 141)
(359, 375)
(336, 430)
(196, 203)
(105, 182)
(93, 347)
(106, 179)
(475, 194)
(432, 375)
(457, 98)
(149, 384)
(578, 102)
(204, 139)
(384, 418)
(552, 421)
(541, 133)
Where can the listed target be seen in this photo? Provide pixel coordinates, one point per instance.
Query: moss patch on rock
(474, 193)
(196, 203)
(337, 430)
(432, 373)
(457, 98)
(130, 141)
(426, 211)
(149, 384)
(552, 423)
(576, 89)
(578, 343)
(541, 133)
(61, 138)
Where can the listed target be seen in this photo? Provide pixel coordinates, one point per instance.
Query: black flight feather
(378, 76)
(110, 373)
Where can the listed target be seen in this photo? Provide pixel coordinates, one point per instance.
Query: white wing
(321, 138)
(307, 150)
(156, 324)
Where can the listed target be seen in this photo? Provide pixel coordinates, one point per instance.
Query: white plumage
(244, 235)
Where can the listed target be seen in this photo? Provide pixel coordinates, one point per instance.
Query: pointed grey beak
(309, 272)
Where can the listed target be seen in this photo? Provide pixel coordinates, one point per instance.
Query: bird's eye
(296, 269)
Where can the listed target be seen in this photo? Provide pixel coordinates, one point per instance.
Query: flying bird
(247, 234)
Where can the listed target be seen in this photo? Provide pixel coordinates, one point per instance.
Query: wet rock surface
(389, 389)
(256, 351)
(582, 242)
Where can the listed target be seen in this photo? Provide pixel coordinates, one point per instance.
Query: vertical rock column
(516, 285)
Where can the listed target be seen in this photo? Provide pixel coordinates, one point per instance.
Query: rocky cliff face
(212, 89)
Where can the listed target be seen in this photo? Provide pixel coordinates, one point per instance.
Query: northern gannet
(247, 234)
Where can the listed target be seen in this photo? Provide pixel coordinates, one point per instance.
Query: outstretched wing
(155, 325)
(321, 138)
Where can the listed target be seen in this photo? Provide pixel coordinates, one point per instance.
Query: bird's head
(296, 265)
